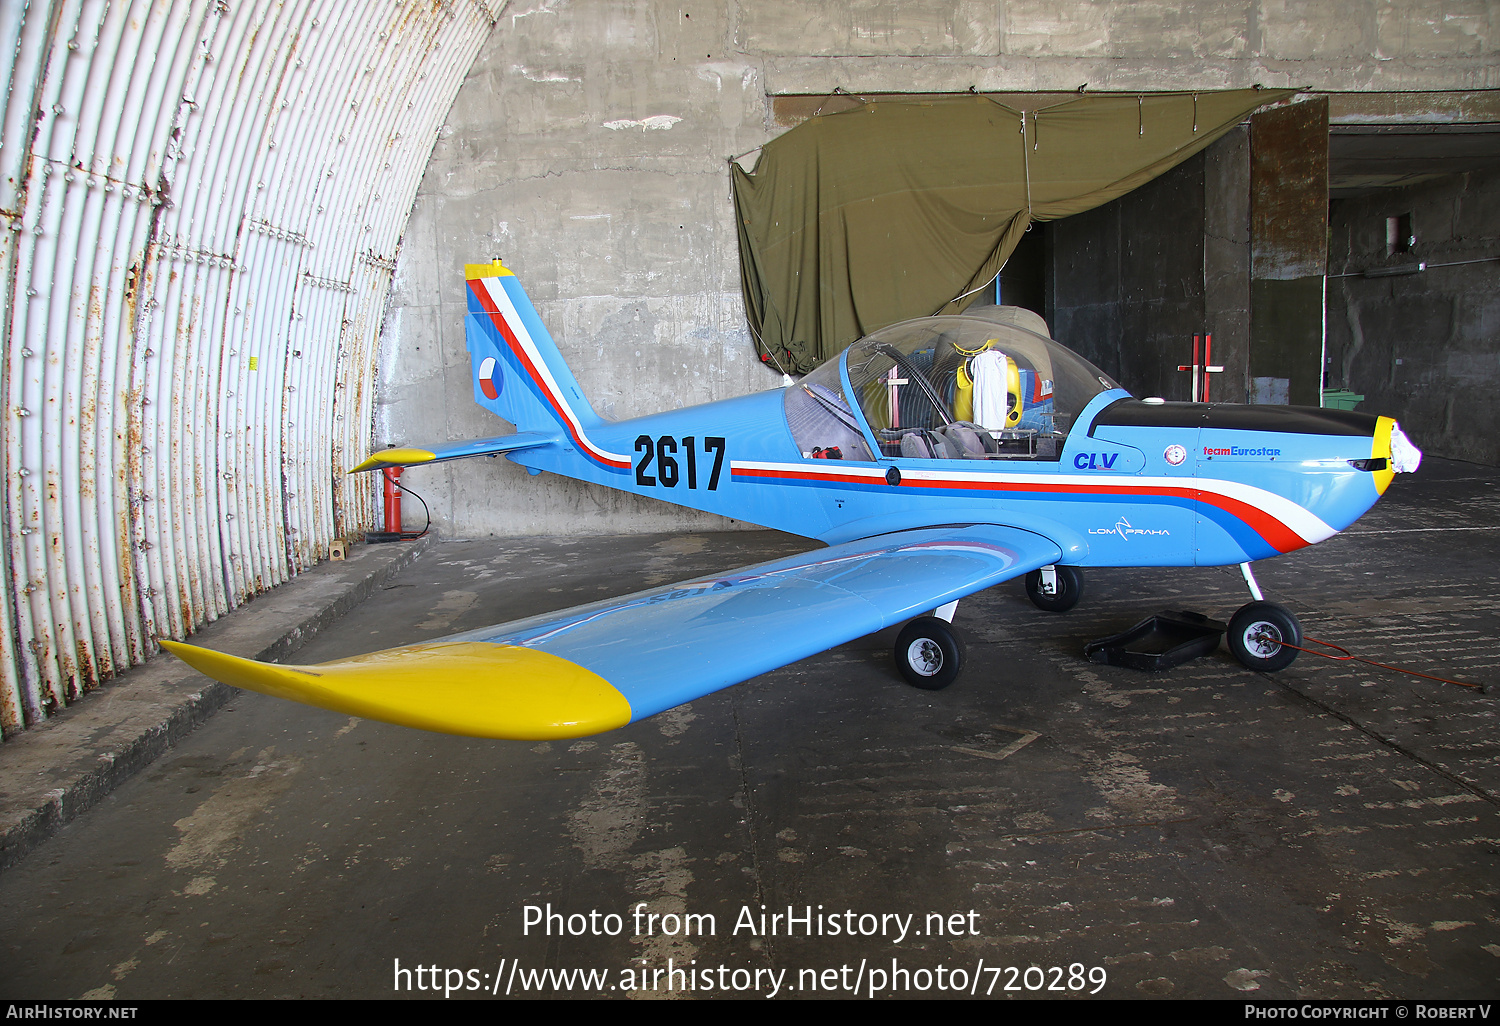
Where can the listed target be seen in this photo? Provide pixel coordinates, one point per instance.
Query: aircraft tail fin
(518, 372)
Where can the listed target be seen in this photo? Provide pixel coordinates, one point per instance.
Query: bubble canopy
(945, 387)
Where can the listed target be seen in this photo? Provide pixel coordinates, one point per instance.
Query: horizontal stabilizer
(411, 457)
(598, 666)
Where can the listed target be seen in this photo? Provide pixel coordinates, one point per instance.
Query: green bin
(1341, 399)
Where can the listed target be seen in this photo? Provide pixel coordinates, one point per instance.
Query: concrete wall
(938, 45)
(589, 145)
(589, 150)
(1425, 344)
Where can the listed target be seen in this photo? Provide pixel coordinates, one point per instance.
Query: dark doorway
(1130, 283)
(1023, 279)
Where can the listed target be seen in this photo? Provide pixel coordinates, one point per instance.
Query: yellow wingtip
(475, 689)
(395, 458)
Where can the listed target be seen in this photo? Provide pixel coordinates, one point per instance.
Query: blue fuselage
(1247, 482)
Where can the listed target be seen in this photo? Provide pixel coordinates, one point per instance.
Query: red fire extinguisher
(393, 499)
(393, 492)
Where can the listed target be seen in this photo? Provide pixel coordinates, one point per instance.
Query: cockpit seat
(922, 444)
(961, 440)
(972, 441)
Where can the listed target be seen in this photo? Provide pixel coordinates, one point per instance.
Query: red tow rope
(1347, 655)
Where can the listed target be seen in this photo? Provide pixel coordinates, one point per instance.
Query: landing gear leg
(1250, 582)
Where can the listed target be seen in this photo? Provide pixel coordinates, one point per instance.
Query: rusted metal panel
(194, 283)
(1289, 191)
(1289, 246)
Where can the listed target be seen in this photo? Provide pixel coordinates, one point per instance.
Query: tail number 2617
(665, 450)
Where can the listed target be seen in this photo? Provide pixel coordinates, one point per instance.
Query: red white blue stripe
(1281, 523)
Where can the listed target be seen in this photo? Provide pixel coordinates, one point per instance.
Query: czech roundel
(490, 379)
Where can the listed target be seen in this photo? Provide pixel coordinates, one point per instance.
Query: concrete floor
(1329, 831)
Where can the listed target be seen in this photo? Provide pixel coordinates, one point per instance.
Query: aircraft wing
(602, 665)
(411, 457)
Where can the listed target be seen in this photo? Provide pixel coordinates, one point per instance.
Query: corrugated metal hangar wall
(202, 203)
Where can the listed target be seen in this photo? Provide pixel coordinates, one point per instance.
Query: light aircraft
(934, 457)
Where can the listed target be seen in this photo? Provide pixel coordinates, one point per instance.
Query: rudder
(518, 372)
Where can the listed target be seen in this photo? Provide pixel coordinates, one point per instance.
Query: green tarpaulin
(904, 208)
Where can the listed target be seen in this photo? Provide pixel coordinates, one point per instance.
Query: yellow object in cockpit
(963, 392)
(1012, 393)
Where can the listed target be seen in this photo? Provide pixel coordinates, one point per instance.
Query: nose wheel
(929, 653)
(1261, 635)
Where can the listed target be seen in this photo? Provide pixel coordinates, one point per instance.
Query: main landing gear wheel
(1260, 635)
(930, 653)
(1069, 589)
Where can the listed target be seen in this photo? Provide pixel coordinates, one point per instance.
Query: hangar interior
(236, 234)
(204, 202)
